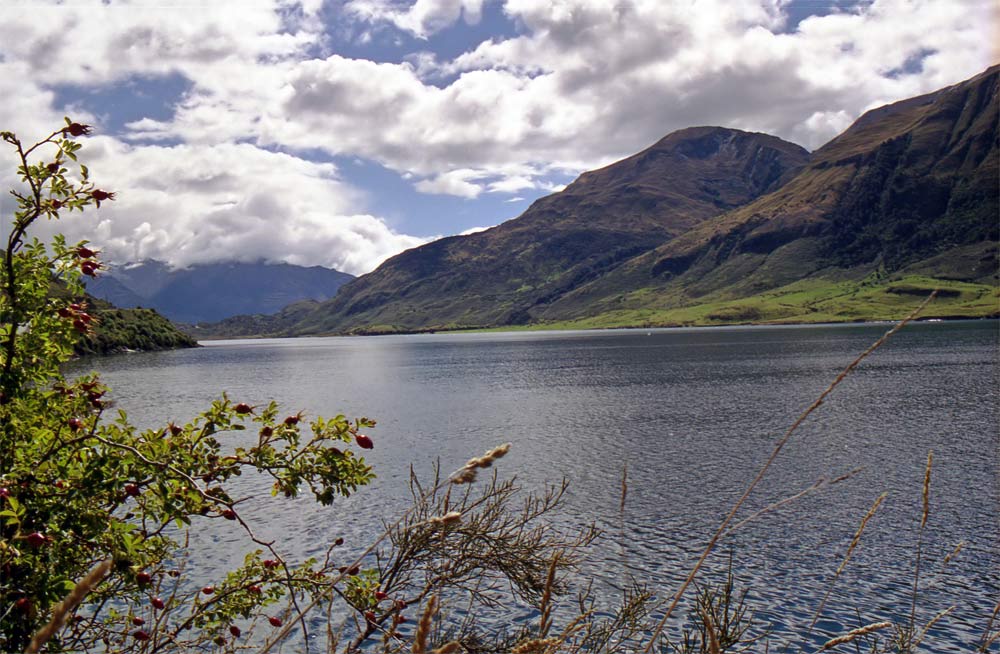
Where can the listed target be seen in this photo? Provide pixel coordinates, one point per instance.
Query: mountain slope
(564, 240)
(211, 292)
(909, 188)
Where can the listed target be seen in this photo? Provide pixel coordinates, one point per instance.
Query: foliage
(132, 329)
(81, 485)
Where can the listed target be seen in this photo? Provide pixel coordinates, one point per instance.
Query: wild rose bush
(82, 490)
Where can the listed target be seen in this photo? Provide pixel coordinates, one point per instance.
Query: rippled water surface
(693, 414)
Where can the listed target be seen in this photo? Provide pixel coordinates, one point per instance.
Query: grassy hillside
(812, 301)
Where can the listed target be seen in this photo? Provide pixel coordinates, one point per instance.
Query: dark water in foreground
(693, 414)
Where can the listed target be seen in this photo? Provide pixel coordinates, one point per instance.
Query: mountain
(498, 276)
(212, 292)
(910, 189)
(257, 325)
(713, 226)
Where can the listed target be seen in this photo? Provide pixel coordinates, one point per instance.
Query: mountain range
(213, 292)
(714, 225)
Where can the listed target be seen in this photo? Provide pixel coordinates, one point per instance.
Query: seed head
(76, 129)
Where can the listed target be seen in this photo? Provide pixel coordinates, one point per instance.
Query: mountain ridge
(215, 291)
(744, 225)
(888, 192)
(601, 219)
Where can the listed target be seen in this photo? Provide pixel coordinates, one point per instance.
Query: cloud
(475, 230)
(421, 19)
(580, 84)
(587, 82)
(454, 182)
(91, 42)
(188, 204)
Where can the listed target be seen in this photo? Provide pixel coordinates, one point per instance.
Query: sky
(341, 132)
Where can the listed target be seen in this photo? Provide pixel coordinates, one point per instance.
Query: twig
(460, 476)
(68, 605)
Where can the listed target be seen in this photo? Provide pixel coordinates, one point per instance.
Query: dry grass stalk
(496, 453)
(546, 605)
(927, 490)
(449, 518)
(847, 557)
(988, 636)
(467, 473)
(920, 537)
(68, 605)
(448, 648)
(621, 504)
(424, 626)
(819, 485)
(853, 634)
(861, 530)
(535, 645)
(923, 632)
(713, 640)
(767, 465)
(954, 552)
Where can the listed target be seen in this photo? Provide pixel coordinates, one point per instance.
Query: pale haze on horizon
(339, 133)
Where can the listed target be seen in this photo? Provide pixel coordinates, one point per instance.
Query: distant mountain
(212, 292)
(715, 226)
(257, 325)
(499, 276)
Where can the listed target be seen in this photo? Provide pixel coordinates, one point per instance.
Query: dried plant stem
(713, 640)
(853, 634)
(988, 636)
(767, 465)
(920, 539)
(819, 485)
(424, 626)
(923, 632)
(545, 623)
(459, 476)
(68, 605)
(847, 557)
(951, 555)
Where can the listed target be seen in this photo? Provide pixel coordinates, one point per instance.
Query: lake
(693, 413)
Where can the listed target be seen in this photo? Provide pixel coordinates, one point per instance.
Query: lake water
(693, 413)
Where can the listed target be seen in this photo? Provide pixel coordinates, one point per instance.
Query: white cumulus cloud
(579, 84)
(188, 204)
